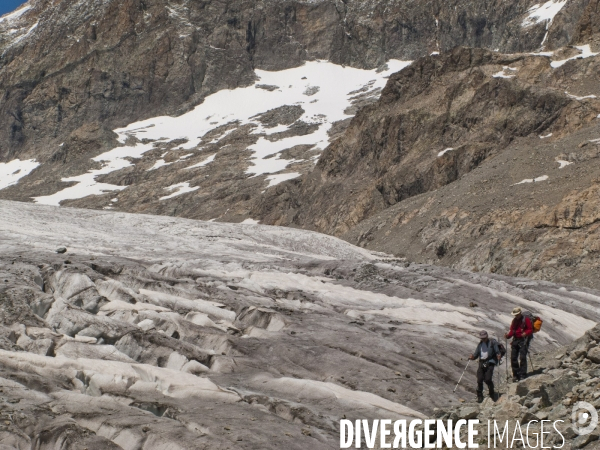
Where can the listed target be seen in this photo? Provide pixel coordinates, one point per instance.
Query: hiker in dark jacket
(521, 330)
(489, 356)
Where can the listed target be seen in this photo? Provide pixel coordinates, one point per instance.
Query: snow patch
(223, 136)
(274, 180)
(207, 161)
(12, 171)
(540, 13)
(532, 180)
(546, 136)
(179, 188)
(158, 164)
(337, 87)
(113, 160)
(249, 222)
(586, 52)
(19, 35)
(547, 54)
(563, 163)
(580, 98)
(443, 152)
(503, 74)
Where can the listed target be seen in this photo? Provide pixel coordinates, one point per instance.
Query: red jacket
(520, 328)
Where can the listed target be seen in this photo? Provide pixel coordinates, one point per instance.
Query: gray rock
(542, 415)
(61, 250)
(469, 412)
(531, 386)
(569, 433)
(594, 334)
(529, 417)
(555, 390)
(559, 412)
(594, 355)
(584, 440)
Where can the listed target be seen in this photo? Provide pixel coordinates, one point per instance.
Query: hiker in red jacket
(521, 330)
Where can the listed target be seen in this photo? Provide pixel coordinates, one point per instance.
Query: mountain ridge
(73, 110)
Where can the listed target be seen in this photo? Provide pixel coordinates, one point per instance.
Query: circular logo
(584, 417)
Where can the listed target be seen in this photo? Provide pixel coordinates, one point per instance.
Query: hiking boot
(480, 397)
(494, 396)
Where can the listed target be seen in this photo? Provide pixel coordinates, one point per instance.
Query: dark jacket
(493, 351)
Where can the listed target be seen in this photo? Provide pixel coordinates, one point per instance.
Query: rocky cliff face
(152, 332)
(436, 121)
(460, 163)
(70, 69)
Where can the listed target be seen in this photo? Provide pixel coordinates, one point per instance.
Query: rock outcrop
(468, 160)
(562, 379)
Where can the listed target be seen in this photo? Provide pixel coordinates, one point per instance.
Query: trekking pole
(498, 374)
(506, 367)
(461, 377)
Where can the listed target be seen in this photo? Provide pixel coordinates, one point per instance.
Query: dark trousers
(518, 357)
(485, 373)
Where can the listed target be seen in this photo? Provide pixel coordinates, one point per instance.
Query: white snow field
(12, 171)
(543, 13)
(323, 89)
(178, 189)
